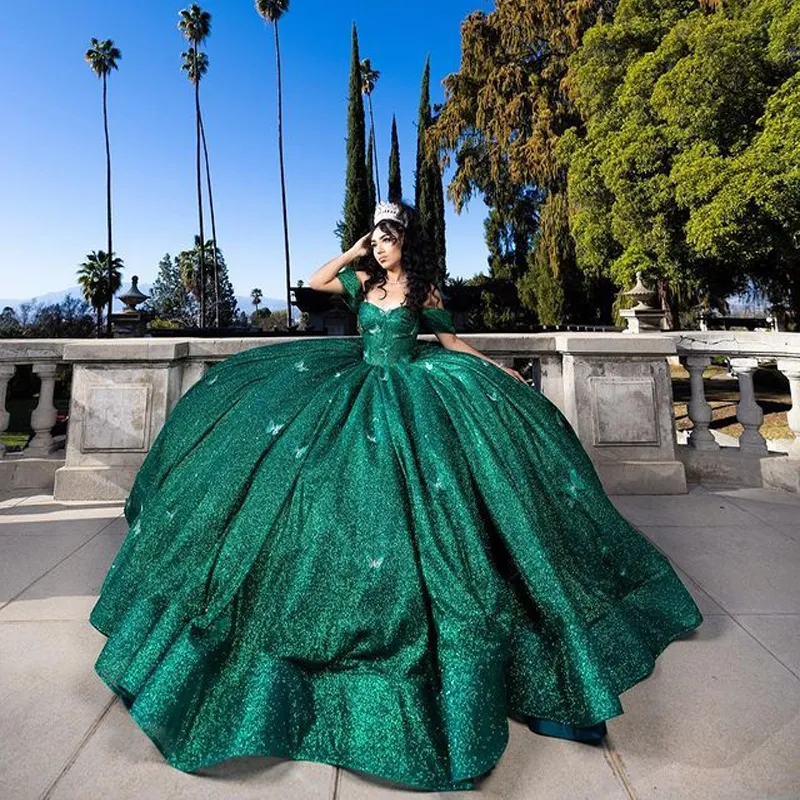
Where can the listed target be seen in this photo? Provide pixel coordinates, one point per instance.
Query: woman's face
(386, 247)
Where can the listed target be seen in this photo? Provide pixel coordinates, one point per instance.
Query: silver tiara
(389, 211)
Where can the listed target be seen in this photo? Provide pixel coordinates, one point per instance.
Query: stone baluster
(791, 369)
(44, 415)
(748, 412)
(700, 437)
(6, 373)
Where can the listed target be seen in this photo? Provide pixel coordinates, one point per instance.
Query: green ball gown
(371, 552)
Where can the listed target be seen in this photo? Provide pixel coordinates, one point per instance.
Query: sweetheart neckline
(389, 310)
(384, 310)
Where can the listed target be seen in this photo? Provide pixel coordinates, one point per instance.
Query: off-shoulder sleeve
(438, 320)
(352, 287)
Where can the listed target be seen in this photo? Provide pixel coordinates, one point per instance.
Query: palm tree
(196, 65)
(369, 78)
(195, 25)
(256, 296)
(102, 57)
(213, 220)
(272, 11)
(93, 278)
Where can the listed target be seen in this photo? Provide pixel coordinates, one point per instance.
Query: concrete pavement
(718, 718)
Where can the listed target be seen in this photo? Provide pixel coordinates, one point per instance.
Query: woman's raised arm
(323, 279)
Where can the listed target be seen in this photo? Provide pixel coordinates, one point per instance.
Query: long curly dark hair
(413, 255)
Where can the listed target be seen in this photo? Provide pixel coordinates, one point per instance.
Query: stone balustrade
(614, 389)
(750, 463)
(37, 464)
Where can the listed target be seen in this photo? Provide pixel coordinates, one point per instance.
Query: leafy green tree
(687, 165)
(357, 213)
(169, 298)
(504, 113)
(267, 320)
(10, 325)
(272, 11)
(498, 307)
(195, 25)
(102, 57)
(69, 319)
(369, 77)
(428, 190)
(395, 181)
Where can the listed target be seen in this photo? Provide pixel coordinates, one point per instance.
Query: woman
(371, 552)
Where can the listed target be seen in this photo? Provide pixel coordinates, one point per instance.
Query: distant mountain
(245, 304)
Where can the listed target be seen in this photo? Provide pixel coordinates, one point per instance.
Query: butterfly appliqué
(274, 427)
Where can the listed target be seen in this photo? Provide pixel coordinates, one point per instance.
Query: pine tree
(228, 306)
(169, 299)
(428, 191)
(395, 182)
(357, 211)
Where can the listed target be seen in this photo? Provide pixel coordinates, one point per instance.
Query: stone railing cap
(21, 351)
(610, 344)
(737, 343)
(134, 349)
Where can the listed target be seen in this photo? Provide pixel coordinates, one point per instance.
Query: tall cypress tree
(395, 182)
(428, 191)
(357, 211)
(437, 194)
(422, 199)
(371, 194)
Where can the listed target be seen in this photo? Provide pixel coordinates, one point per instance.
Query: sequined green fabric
(371, 552)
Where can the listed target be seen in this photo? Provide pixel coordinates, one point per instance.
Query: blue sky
(52, 195)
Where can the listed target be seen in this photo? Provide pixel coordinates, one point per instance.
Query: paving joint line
(762, 521)
(617, 767)
(336, 783)
(731, 615)
(764, 647)
(733, 619)
(48, 793)
(58, 563)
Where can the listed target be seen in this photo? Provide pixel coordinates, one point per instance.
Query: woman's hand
(512, 372)
(362, 247)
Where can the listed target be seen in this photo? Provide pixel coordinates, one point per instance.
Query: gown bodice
(389, 335)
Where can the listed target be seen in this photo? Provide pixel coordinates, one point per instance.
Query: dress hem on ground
(365, 706)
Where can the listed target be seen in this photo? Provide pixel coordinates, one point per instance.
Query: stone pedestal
(122, 392)
(131, 323)
(644, 320)
(617, 395)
